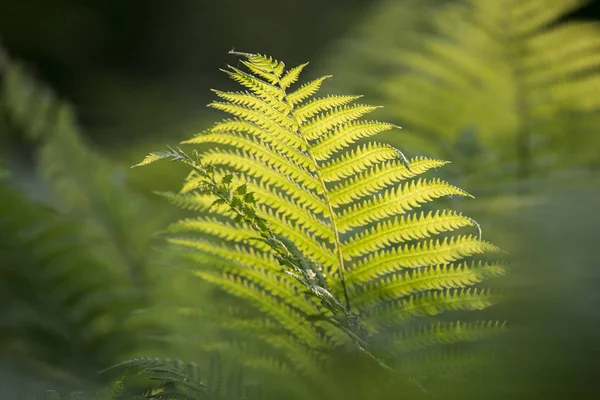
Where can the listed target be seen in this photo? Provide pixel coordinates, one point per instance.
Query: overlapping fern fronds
(74, 273)
(507, 73)
(78, 181)
(326, 237)
(59, 323)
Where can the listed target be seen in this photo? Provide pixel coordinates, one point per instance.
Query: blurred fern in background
(506, 89)
(76, 246)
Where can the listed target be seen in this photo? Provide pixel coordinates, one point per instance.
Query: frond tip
(174, 155)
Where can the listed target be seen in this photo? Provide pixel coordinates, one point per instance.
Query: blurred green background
(119, 60)
(83, 282)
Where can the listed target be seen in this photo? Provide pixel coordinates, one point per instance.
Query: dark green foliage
(176, 380)
(78, 181)
(74, 272)
(58, 322)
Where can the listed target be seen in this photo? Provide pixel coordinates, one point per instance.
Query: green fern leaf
(394, 202)
(437, 277)
(292, 76)
(306, 90)
(378, 177)
(321, 242)
(418, 226)
(428, 303)
(418, 255)
(447, 333)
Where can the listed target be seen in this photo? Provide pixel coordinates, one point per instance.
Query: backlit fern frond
(436, 277)
(340, 230)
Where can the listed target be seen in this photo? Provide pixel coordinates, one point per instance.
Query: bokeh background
(83, 281)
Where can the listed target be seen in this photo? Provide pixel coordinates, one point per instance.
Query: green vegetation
(504, 89)
(323, 240)
(291, 250)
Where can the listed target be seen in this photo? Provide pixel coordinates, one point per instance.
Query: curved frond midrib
(339, 268)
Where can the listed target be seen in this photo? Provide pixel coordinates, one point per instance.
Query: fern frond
(258, 118)
(281, 208)
(178, 380)
(152, 157)
(253, 159)
(433, 252)
(289, 319)
(273, 282)
(429, 303)
(241, 103)
(445, 333)
(319, 125)
(295, 211)
(238, 126)
(449, 364)
(292, 76)
(74, 271)
(546, 64)
(415, 226)
(276, 331)
(380, 176)
(346, 135)
(266, 68)
(437, 277)
(52, 303)
(230, 232)
(271, 94)
(280, 223)
(306, 90)
(309, 248)
(297, 363)
(304, 240)
(80, 182)
(251, 168)
(245, 256)
(249, 142)
(320, 105)
(503, 70)
(533, 16)
(394, 202)
(357, 160)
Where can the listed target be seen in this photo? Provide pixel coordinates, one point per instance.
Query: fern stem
(336, 236)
